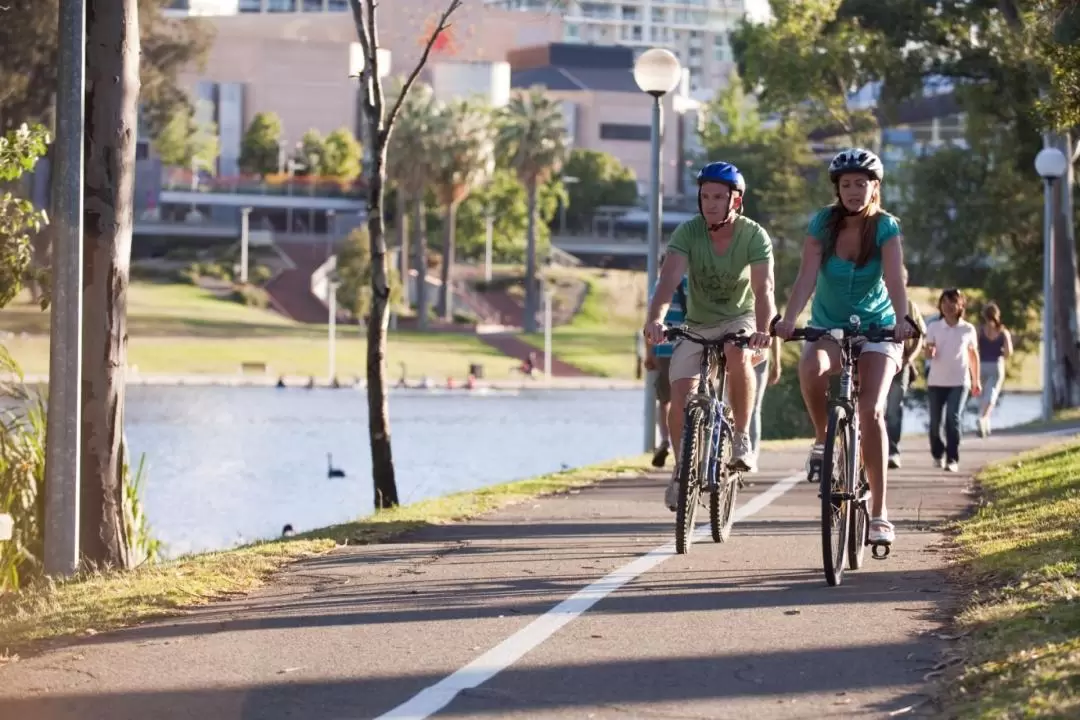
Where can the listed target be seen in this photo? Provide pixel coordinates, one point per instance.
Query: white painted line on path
(434, 698)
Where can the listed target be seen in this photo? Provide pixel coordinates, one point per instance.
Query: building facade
(695, 30)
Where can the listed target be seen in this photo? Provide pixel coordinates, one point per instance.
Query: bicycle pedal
(886, 549)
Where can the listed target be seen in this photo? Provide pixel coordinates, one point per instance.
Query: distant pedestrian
(952, 346)
(995, 347)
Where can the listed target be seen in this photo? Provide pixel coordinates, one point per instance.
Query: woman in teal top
(852, 263)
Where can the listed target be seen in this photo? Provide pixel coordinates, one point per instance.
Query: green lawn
(182, 329)
(602, 337)
(1021, 571)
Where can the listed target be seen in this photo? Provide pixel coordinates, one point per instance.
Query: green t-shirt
(720, 284)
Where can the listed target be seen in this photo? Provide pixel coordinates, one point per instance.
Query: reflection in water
(231, 465)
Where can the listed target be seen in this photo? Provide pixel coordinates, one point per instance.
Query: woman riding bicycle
(852, 263)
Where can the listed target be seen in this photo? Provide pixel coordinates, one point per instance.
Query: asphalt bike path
(571, 606)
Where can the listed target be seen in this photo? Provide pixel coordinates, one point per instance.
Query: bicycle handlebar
(872, 334)
(739, 339)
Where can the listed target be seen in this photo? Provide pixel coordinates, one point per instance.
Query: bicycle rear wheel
(835, 511)
(722, 499)
(690, 469)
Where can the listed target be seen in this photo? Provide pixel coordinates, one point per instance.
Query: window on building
(572, 32)
(337, 6)
(281, 6)
(250, 6)
(623, 131)
(313, 6)
(658, 14)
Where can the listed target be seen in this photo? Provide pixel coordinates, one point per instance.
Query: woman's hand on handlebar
(904, 330)
(654, 333)
(783, 329)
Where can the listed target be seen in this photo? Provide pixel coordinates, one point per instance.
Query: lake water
(232, 465)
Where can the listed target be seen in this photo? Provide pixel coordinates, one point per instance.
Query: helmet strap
(729, 216)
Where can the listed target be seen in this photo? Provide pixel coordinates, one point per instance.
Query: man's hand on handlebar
(654, 333)
(758, 341)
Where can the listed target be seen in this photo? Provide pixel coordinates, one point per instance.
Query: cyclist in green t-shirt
(853, 264)
(728, 262)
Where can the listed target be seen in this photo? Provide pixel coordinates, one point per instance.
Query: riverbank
(95, 602)
(1020, 654)
(359, 383)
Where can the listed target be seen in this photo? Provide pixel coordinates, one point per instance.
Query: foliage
(601, 180)
(409, 153)
(184, 142)
(783, 411)
(260, 147)
(337, 155)
(463, 133)
(19, 150)
(354, 275)
(506, 198)
(532, 136)
(22, 483)
(971, 220)
(28, 35)
(784, 180)
(809, 60)
(250, 295)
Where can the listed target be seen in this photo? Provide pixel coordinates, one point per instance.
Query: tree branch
(443, 25)
(375, 95)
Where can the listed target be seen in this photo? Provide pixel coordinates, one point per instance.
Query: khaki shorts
(663, 384)
(686, 357)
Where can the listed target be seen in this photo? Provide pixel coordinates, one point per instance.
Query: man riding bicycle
(728, 261)
(853, 264)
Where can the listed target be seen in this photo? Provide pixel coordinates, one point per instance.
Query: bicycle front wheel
(835, 508)
(694, 445)
(722, 499)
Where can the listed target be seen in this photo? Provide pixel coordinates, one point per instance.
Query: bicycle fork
(714, 442)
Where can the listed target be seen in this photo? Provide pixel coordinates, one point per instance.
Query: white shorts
(892, 350)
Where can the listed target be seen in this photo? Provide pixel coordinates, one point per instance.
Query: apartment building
(695, 30)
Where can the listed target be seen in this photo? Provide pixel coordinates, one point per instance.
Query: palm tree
(464, 136)
(532, 140)
(409, 158)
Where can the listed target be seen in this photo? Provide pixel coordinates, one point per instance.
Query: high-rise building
(695, 30)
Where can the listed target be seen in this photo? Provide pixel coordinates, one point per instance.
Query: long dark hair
(957, 296)
(868, 234)
(992, 315)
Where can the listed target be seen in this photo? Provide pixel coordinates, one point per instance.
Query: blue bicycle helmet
(722, 172)
(726, 174)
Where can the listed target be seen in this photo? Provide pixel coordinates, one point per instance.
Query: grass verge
(1022, 562)
(96, 602)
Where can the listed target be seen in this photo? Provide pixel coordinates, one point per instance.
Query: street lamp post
(1051, 164)
(64, 421)
(656, 72)
(245, 238)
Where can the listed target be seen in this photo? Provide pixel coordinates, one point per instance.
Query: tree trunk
(403, 245)
(420, 243)
(446, 293)
(382, 460)
(1066, 289)
(112, 92)
(529, 320)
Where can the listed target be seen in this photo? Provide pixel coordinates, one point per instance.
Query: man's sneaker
(952, 467)
(894, 462)
(742, 455)
(660, 456)
(813, 462)
(939, 463)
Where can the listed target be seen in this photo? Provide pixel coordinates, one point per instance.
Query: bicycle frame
(710, 397)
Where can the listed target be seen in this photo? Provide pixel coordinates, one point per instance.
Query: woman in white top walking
(952, 345)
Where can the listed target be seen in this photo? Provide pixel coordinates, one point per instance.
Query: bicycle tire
(859, 532)
(693, 444)
(722, 500)
(835, 516)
